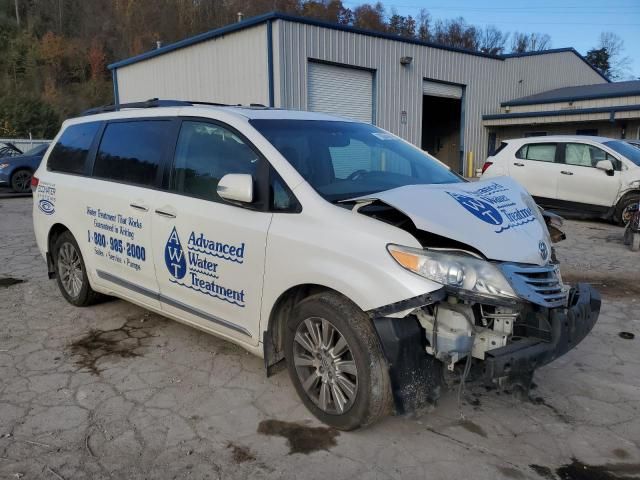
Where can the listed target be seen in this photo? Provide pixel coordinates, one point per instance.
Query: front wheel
(336, 363)
(623, 211)
(71, 272)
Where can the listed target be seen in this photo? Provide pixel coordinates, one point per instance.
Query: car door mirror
(236, 187)
(605, 165)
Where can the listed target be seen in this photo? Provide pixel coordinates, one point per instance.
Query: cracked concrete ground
(113, 391)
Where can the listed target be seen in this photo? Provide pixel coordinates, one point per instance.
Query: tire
(71, 273)
(21, 181)
(623, 204)
(635, 242)
(331, 347)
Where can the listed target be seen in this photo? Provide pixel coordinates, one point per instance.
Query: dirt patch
(627, 335)
(300, 438)
(472, 427)
(577, 470)
(6, 282)
(510, 472)
(541, 401)
(618, 286)
(240, 453)
(99, 344)
(621, 453)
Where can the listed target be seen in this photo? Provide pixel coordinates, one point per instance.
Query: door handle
(165, 213)
(565, 172)
(142, 208)
(518, 164)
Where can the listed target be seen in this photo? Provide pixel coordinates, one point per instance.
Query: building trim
(270, 61)
(571, 98)
(268, 17)
(558, 113)
(116, 94)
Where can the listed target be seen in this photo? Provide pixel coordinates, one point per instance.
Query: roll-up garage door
(436, 89)
(343, 91)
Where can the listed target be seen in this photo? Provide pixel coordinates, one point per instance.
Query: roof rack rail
(151, 103)
(155, 102)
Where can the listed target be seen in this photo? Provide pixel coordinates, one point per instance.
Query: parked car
(9, 150)
(361, 261)
(16, 171)
(579, 175)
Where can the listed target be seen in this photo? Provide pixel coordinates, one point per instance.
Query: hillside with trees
(54, 53)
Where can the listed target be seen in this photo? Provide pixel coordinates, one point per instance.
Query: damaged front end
(494, 321)
(487, 342)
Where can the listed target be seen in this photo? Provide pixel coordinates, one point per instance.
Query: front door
(581, 183)
(210, 254)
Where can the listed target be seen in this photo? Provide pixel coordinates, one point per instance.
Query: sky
(570, 23)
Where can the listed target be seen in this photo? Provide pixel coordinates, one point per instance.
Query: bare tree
(491, 40)
(530, 42)
(619, 64)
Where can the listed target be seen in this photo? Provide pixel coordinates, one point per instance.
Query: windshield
(629, 151)
(343, 160)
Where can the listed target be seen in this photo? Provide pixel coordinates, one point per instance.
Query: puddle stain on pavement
(472, 427)
(117, 343)
(619, 286)
(577, 470)
(300, 438)
(6, 282)
(240, 453)
(627, 335)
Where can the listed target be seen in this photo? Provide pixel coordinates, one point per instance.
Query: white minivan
(573, 174)
(361, 261)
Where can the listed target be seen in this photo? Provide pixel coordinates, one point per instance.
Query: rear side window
(132, 152)
(541, 152)
(69, 154)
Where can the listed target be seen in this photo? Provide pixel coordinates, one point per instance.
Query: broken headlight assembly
(461, 273)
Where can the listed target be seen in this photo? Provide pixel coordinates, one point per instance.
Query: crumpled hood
(498, 217)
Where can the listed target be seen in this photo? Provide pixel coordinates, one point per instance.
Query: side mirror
(236, 187)
(605, 165)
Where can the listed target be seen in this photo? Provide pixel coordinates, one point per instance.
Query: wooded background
(54, 53)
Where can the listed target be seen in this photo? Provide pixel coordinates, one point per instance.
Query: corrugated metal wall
(229, 69)
(488, 81)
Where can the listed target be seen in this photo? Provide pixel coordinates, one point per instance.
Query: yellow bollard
(470, 172)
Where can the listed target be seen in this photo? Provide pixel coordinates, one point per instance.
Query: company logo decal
(174, 256)
(46, 195)
(46, 207)
(544, 250)
(494, 204)
(199, 267)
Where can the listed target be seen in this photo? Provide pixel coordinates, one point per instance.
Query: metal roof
(580, 92)
(559, 113)
(251, 22)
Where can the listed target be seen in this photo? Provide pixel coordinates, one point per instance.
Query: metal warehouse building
(433, 96)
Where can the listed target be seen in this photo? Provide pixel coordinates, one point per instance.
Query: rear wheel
(336, 363)
(71, 272)
(21, 181)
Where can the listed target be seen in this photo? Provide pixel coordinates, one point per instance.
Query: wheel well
(55, 231)
(274, 336)
(617, 209)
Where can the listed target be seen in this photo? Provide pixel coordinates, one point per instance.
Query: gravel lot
(113, 391)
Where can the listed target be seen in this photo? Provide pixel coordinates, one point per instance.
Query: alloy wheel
(325, 365)
(22, 181)
(70, 269)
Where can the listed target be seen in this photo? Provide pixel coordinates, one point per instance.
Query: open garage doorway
(441, 123)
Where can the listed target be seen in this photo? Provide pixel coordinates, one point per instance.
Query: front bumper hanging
(568, 328)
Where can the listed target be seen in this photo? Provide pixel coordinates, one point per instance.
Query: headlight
(3, 166)
(459, 272)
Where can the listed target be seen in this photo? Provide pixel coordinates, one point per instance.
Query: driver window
(206, 152)
(584, 155)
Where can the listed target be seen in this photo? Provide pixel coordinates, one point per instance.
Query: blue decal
(46, 207)
(479, 208)
(174, 256)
